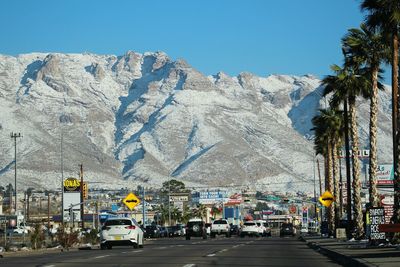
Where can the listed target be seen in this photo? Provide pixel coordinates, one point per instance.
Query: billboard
(72, 197)
(384, 174)
(212, 197)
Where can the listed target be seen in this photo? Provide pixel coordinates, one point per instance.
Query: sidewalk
(355, 253)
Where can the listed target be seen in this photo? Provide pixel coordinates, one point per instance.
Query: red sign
(392, 228)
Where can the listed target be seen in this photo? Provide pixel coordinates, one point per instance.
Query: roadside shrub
(66, 237)
(37, 237)
(91, 237)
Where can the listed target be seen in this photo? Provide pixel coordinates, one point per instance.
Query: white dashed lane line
(189, 265)
(211, 255)
(103, 256)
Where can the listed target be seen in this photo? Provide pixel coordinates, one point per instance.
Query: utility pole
(62, 176)
(144, 208)
(169, 202)
(82, 203)
(48, 210)
(15, 136)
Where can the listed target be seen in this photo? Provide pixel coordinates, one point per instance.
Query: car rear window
(117, 222)
(194, 223)
(249, 224)
(220, 222)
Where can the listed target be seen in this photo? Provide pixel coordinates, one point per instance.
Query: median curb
(340, 258)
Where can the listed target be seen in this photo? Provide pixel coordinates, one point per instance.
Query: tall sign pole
(82, 204)
(62, 178)
(15, 136)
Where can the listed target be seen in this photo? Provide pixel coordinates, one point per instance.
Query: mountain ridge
(144, 118)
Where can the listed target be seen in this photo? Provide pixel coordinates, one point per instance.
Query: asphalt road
(220, 251)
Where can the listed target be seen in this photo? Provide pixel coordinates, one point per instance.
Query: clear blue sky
(259, 36)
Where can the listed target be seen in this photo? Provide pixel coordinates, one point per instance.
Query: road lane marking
(211, 255)
(224, 250)
(189, 265)
(48, 265)
(103, 256)
(137, 251)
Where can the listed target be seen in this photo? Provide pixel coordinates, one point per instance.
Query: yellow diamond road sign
(131, 201)
(326, 199)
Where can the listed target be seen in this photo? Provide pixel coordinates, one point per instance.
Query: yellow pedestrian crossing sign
(131, 201)
(326, 199)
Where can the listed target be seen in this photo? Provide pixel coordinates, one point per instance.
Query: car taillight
(131, 227)
(105, 228)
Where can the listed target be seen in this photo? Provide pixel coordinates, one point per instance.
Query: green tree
(348, 83)
(385, 15)
(328, 129)
(366, 46)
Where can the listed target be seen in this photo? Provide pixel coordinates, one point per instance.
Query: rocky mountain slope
(141, 119)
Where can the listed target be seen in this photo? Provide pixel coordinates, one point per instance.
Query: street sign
(389, 228)
(131, 201)
(326, 199)
(375, 218)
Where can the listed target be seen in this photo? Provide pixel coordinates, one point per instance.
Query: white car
(121, 232)
(249, 228)
(220, 227)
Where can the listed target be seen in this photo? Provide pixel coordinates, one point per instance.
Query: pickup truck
(219, 227)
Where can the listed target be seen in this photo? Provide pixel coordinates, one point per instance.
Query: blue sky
(259, 36)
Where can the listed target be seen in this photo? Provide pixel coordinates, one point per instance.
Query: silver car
(121, 232)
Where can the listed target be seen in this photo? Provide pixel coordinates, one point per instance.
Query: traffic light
(85, 190)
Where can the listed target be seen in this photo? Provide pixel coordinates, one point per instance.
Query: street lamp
(15, 136)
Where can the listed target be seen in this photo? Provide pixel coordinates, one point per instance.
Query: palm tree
(328, 129)
(366, 46)
(347, 84)
(384, 14)
(321, 145)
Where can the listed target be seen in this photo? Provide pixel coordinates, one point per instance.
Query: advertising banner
(212, 197)
(376, 217)
(384, 174)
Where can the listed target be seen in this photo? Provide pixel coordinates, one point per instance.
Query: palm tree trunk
(336, 193)
(395, 117)
(331, 208)
(348, 174)
(358, 216)
(373, 161)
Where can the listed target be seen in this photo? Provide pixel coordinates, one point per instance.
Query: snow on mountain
(144, 118)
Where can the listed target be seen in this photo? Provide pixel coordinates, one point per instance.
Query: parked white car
(121, 232)
(249, 228)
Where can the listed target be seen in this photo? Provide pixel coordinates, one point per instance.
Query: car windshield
(118, 222)
(220, 222)
(287, 225)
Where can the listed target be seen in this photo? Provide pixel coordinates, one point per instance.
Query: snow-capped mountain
(143, 119)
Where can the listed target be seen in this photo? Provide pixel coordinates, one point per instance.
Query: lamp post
(15, 136)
